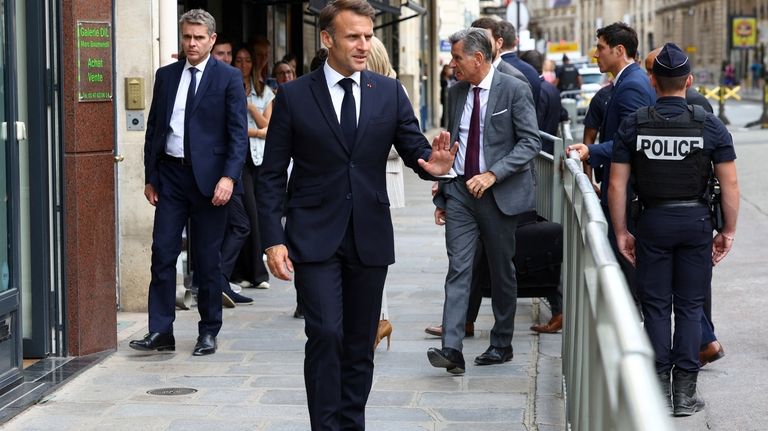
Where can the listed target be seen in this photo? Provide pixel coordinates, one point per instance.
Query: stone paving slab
(255, 381)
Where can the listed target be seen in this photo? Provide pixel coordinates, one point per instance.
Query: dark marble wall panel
(89, 189)
(90, 251)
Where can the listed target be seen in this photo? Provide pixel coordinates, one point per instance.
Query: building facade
(705, 29)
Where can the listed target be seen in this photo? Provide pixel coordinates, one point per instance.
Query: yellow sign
(562, 47)
(744, 32)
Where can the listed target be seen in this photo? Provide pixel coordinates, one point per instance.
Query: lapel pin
(369, 85)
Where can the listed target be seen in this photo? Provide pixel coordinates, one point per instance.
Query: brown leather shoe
(555, 324)
(711, 353)
(437, 330)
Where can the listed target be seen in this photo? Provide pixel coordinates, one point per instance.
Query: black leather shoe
(495, 355)
(206, 345)
(298, 313)
(155, 341)
(450, 359)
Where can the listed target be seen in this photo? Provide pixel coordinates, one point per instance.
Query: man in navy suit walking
(338, 124)
(615, 53)
(194, 150)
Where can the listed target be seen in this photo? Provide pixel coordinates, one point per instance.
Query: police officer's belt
(661, 203)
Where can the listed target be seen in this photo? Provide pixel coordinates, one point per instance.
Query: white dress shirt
(332, 78)
(174, 145)
(466, 116)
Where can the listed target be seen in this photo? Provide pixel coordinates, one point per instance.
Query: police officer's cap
(671, 62)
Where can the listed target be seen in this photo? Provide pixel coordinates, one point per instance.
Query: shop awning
(381, 6)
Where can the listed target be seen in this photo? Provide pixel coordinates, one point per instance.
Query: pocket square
(498, 113)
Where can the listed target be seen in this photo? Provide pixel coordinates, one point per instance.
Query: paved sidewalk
(254, 381)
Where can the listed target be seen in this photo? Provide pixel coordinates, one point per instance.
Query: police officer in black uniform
(670, 150)
(567, 77)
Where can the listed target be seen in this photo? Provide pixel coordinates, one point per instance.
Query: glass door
(36, 49)
(10, 337)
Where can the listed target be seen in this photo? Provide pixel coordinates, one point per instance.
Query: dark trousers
(674, 271)
(481, 277)
(236, 234)
(341, 298)
(179, 200)
(707, 327)
(250, 264)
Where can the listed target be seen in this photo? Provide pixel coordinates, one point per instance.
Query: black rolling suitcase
(538, 256)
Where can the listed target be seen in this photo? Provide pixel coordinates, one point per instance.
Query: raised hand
(443, 153)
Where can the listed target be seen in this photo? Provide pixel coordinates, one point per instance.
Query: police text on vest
(668, 147)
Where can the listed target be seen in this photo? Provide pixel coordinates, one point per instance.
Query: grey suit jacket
(510, 140)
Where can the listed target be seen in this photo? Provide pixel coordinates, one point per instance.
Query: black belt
(674, 204)
(178, 160)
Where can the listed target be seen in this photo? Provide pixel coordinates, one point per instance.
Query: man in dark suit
(615, 53)
(338, 124)
(238, 225)
(509, 34)
(495, 182)
(194, 150)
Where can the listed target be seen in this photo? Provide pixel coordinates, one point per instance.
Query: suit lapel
(458, 109)
(367, 98)
(210, 70)
(493, 99)
(319, 88)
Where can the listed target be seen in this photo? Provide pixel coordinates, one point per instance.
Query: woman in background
(283, 72)
(251, 268)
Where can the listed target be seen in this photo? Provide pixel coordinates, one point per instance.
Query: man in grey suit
(493, 118)
(480, 274)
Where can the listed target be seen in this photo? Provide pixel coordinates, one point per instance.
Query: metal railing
(609, 378)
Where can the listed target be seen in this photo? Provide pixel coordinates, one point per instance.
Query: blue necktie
(348, 113)
(187, 111)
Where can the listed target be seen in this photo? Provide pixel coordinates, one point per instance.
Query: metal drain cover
(172, 391)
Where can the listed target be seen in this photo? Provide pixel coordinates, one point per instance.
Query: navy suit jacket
(550, 113)
(334, 183)
(218, 128)
(530, 74)
(630, 92)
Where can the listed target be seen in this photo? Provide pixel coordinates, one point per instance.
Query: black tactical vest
(568, 78)
(669, 162)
